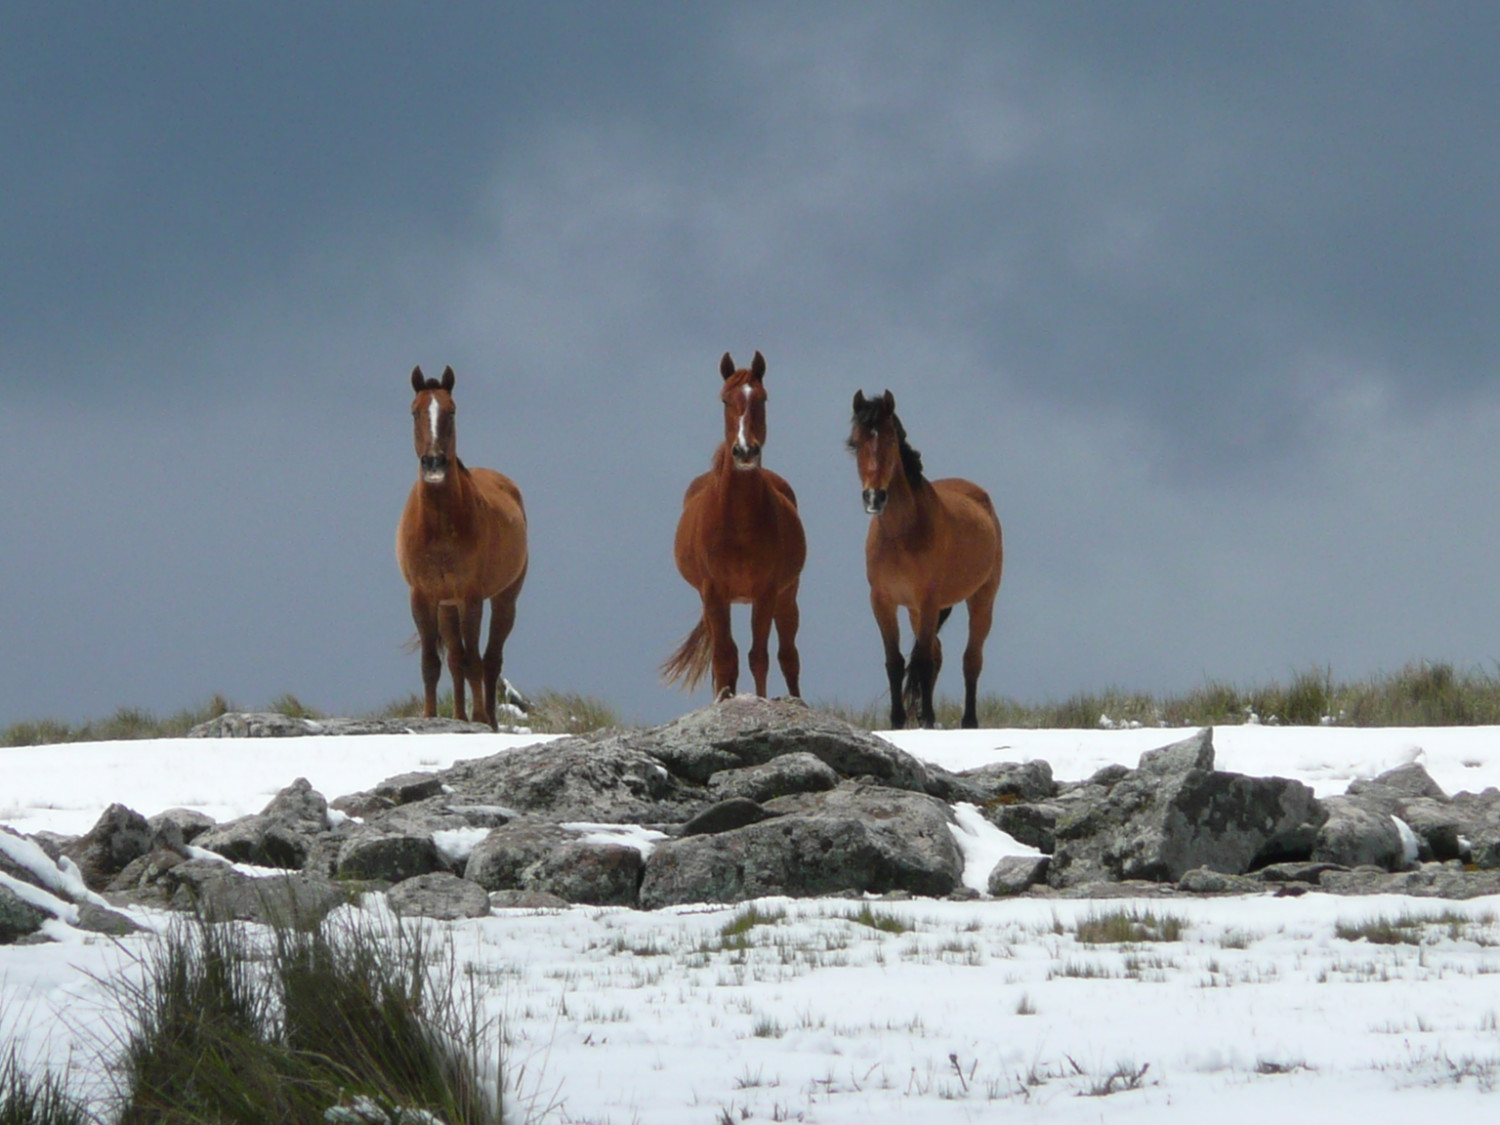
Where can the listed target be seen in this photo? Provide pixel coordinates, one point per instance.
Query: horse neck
(450, 502)
(736, 486)
(908, 504)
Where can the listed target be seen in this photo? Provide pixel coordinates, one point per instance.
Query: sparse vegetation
(222, 1028)
(25, 1100)
(1421, 694)
(1117, 927)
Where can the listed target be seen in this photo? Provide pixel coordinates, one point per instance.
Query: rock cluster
(745, 798)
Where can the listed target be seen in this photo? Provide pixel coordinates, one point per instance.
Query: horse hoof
(724, 693)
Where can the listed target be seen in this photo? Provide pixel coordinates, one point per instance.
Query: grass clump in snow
(880, 920)
(25, 1100)
(222, 1028)
(1118, 927)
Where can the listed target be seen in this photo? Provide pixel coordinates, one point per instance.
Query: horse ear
(888, 403)
(726, 366)
(418, 381)
(758, 367)
(859, 401)
(447, 383)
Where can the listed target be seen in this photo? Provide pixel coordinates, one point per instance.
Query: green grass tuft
(1130, 926)
(29, 1101)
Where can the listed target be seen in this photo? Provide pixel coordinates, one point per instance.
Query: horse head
(876, 440)
(744, 399)
(432, 425)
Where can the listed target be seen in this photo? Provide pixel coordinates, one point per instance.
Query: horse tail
(413, 644)
(690, 662)
(911, 691)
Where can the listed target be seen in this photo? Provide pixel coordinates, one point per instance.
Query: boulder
(1430, 880)
(439, 895)
(1174, 813)
(1355, 836)
(184, 825)
(1206, 881)
(858, 837)
(797, 772)
(119, 836)
(19, 919)
(601, 778)
(281, 835)
(1009, 783)
(1015, 873)
(751, 731)
(547, 858)
(388, 857)
(218, 893)
(733, 813)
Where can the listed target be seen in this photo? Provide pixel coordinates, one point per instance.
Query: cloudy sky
(1202, 293)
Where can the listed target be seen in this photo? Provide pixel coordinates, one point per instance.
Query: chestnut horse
(932, 544)
(740, 540)
(461, 541)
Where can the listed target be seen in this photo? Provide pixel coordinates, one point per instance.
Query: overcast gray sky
(1202, 293)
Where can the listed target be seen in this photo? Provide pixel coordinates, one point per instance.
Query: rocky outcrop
(1174, 813)
(858, 837)
(273, 724)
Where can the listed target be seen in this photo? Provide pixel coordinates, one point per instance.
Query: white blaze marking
(432, 416)
(744, 440)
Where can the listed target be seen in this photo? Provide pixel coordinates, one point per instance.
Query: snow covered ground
(1257, 1010)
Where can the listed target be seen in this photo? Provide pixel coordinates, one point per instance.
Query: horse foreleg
(926, 655)
(726, 655)
(502, 620)
(981, 615)
(473, 620)
(787, 620)
(895, 664)
(453, 638)
(425, 614)
(760, 641)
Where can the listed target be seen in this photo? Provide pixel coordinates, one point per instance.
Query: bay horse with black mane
(740, 540)
(931, 545)
(461, 542)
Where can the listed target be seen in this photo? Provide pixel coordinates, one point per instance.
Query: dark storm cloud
(1198, 291)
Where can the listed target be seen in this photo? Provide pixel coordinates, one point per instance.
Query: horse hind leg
(502, 620)
(787, 619)
(981, 616)
(726, 656)
(895, 663)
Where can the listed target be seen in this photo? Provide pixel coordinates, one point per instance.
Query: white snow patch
(643, 840)
(982, 845)
(455, 844)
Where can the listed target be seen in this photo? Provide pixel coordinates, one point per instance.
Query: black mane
(868, 418)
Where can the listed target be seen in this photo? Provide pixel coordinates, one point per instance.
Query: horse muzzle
(746, 456)
(434, 468)
(875, 499)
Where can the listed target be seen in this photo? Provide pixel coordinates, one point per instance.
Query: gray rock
(281, 835)
(750, 731)
(218, 893)
(1354, 836)
(1410, 780)
(1176, 813)
(184, 825)
(1431, 880)
(1014, 873)
(859, 837)
(1033, 825)
(389, 858)
(1011, 782)
(18, 918)
(527, 900)
(733, 813)
(119, 836)
(405, 788)
(1204, 881)
(439, 895)
(96, 919)
(541, 857)
(599, 778)
(797, 772)
(1310, 873)
(273, 724)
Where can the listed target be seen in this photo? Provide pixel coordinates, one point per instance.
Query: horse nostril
(875, 500)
